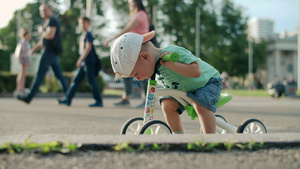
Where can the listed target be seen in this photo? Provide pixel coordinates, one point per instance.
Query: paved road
(44, 116)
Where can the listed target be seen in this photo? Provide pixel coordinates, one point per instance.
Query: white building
(260, 29)
(282, 56)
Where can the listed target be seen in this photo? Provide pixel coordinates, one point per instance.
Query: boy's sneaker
(122, 103)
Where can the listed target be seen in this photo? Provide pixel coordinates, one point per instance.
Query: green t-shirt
(170, 79)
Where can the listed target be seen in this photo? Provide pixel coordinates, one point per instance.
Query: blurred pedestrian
(22, 53)
(86, 64)
(292, 81)
(258, 84)
(51, 41)
(139, 23)
(291, 86)
(277, 88)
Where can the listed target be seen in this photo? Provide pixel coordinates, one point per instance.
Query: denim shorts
(207, 96)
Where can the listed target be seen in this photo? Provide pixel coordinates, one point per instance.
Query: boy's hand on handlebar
(167, 64)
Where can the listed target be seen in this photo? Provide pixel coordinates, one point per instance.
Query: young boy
(133, 55)
(87, 65)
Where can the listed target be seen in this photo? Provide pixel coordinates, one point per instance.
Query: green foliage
(67, 147)
(259, 55)
(223, 42)
(5, 60)
(43, 148)
(198, 146)
(50, 83)
(252, 145)
(202, 146)
(106, 65)
(228, 145)
(70, 53)
(140, 148)
(30, 19)
(8, 81)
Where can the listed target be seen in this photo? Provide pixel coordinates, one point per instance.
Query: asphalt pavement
(44, 120)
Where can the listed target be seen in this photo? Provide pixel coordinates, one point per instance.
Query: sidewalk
(275, 139)
(97, 126)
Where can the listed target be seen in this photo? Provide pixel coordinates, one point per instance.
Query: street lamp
(250, 62)
(197, 31)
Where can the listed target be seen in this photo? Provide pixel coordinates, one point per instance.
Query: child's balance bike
(146, 124)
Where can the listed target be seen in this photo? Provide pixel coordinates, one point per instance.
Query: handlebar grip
(174, 57)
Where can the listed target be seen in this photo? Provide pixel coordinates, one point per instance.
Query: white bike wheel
(132, 126)
(155, 127)
(252, 126)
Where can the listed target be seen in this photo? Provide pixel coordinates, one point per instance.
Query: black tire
(148, 127)
(217, 115)
(129, 122)
(257, 128)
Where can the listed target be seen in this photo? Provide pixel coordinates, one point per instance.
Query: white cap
(125, 51)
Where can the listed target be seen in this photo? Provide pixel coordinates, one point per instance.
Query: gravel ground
(273, 158)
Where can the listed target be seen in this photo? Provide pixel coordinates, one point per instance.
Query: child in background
(22, 53)
(86, 64)
(133, 55)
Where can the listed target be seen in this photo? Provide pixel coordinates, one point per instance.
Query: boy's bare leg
(206, 118)
(169, 107)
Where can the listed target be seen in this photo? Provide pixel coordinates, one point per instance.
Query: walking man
(51, 41)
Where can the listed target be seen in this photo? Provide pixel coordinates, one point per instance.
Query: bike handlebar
(174, 57)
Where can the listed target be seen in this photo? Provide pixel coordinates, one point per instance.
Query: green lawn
(255, 93)
(113, 92)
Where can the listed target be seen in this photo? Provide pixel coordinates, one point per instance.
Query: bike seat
(223, 99)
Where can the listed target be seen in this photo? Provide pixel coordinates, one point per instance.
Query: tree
(70, 53)
(30, 20)
(232, 57)
(222, 30)
(223, 37)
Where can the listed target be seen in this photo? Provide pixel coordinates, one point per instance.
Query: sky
(285, 13)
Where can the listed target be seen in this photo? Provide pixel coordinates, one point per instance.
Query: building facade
(282, 58)
(282, 50)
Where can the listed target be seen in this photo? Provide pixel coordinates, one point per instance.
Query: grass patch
(67, 148)
(198, 146)
(44, 148)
